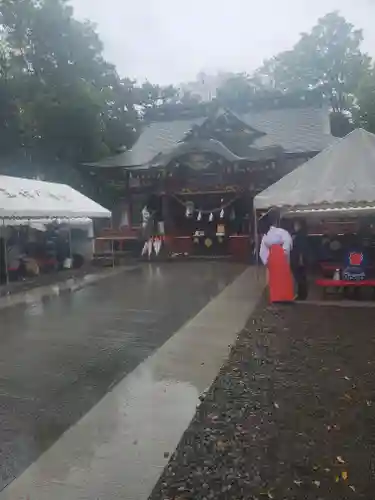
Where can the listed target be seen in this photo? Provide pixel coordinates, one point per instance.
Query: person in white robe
(275, 236)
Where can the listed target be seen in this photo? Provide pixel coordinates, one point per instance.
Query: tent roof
(342, 175)
(26, 198)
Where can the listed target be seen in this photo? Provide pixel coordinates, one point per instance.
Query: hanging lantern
(157, 245)
(144, 250)
(145, 216)
(222, 213)
(211, 218)
(189, 209)
(199, 218)
(149, 246)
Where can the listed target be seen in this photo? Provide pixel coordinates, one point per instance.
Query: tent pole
(256, 237)
(70, 244)
(256, 244)
(6, 258)
(112, 246)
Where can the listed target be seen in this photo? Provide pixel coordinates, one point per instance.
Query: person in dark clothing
(2, 261)
(299, 259)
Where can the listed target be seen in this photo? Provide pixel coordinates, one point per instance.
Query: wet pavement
(32, 292)
(60, 356)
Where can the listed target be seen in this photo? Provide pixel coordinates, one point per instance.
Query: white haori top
(275, 236)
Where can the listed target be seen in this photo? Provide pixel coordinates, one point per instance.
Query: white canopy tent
(339, 179)
(31, 199)
(36, 203)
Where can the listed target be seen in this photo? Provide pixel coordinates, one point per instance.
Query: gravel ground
(290, 416)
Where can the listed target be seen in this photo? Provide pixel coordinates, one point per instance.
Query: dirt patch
(290, 416)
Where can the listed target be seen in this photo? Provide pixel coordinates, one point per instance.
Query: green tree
(328, 59)
(364, 114)
(238, 90)
(60, 98)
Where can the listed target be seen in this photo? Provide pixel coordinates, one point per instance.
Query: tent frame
(7, 281)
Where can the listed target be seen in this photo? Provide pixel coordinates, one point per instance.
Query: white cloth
(14, 255)
(145, 216)
(275, 236)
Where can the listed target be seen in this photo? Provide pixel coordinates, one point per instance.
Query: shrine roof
(295, 130)
(156, 138)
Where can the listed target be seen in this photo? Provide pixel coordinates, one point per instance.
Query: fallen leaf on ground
(352, 488)
(317, 483)
(344, 475)
(220, 445)
(340, 460)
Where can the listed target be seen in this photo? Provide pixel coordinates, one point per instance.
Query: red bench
(336, 284)
(326, 283)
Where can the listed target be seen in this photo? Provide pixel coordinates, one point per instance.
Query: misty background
(170, 41)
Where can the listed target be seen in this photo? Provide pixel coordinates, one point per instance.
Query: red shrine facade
(187, 186)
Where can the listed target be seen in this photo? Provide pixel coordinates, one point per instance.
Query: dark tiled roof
(296, 130)
(213, 146)
(156, 138)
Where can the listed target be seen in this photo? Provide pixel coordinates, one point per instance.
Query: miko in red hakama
(274, 253)
(280, 279)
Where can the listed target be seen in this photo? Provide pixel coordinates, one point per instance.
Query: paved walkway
(120, 447)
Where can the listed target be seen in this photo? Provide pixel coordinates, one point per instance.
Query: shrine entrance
(210, 220)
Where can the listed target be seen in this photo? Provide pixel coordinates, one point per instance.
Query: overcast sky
(170, 41)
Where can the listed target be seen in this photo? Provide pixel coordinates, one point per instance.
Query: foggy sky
(170, 41)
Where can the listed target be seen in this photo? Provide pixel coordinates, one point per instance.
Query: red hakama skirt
(280, 279)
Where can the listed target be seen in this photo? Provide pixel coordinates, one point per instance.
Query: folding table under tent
(27, 199)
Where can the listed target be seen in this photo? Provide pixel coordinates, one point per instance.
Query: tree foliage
(326, 64)
(60, 99)
(61, 102)
(328, 59)
(238, 90)
(364, 113)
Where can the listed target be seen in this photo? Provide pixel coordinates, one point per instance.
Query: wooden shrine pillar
(166, 214)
